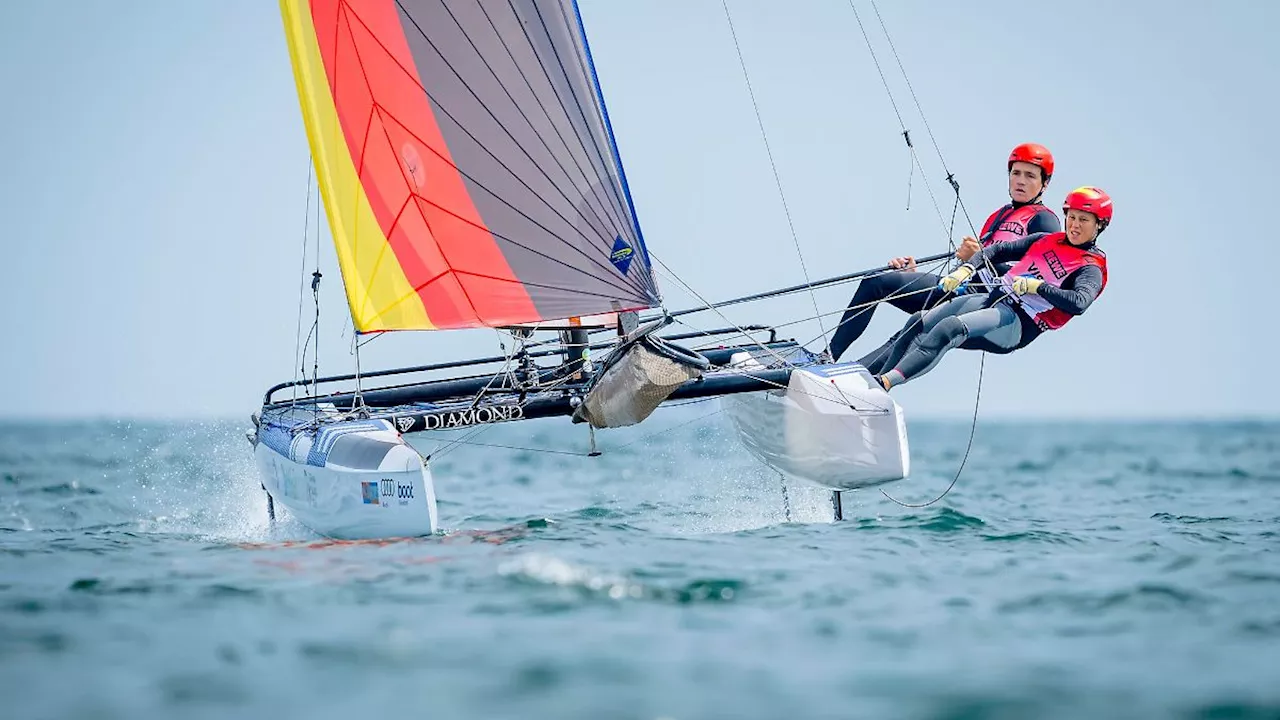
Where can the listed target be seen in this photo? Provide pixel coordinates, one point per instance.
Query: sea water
(1075, 569)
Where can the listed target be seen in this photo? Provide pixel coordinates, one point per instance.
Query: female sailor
(1030, 167)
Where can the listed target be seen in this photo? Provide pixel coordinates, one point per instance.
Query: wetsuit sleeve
(1044, 222)
(1077, 292)
(1010, 251)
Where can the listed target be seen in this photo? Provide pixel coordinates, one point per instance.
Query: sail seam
(629, 289)
(496, 234)
(608, 269)
(604, 165)
(376, 110)
(511, 136)
(612, 219)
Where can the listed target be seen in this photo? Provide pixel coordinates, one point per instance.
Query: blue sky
(154, 190)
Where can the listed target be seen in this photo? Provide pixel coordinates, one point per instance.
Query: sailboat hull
(349, 480)
(829, 427)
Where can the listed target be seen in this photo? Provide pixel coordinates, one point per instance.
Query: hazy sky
(155, 167)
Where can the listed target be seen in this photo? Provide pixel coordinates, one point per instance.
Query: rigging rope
(711, 306)
(951, 178)
(955, 185)
(906, 134)
(972, 430)
(302, 287)
(777, 179)
(959, 203)
(315, 293)
(864, 307)
(357, 402)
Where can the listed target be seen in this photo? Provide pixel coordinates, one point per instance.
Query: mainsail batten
(466, 164)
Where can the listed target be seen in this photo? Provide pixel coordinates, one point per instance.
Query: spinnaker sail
(466, 162)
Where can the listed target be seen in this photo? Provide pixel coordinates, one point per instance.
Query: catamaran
(471, 179)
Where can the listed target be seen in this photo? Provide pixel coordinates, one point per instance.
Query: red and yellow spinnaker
(466, 162)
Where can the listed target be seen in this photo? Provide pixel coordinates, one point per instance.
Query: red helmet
(1035, 154)
(1091, 200)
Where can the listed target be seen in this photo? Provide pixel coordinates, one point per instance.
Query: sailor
(1030, 167)
(1055, 277)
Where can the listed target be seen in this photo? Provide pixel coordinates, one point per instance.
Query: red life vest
(1052, 259)
(1007, 223)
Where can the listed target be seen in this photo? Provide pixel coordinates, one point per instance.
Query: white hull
(373, 485)
(831, 427)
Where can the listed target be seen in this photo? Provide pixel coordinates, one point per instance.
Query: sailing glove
(958, 277)
(1027, 284)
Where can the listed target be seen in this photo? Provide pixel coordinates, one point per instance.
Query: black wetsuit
(993, 322)
(894, 288)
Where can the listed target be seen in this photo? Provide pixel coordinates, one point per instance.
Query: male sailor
(1054, 277)
(1030, 167)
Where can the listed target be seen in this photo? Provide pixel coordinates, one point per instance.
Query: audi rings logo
(388, 488)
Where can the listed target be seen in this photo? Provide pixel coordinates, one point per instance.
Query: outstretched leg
(998, 325)
(901, 289)
(883, 358)
(917, 324)
(887, 355)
